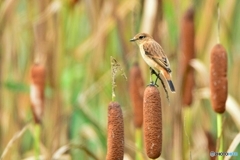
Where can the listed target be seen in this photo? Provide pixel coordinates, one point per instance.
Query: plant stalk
(219, 135)
(138, 141)
(37, 133)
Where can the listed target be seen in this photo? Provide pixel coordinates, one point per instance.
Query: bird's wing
(154, 51)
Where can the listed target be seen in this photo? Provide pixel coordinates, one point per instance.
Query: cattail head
(37, 91)
(187, 39)
(211, 143)
(152, 122)
(115, 141)
(188, 53)
(218, 78)
(188, 85)
(73, 2)
(136, 86)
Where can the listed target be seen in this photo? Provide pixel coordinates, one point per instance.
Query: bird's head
(141, 38)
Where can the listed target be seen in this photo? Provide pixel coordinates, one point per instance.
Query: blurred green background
(75, 39)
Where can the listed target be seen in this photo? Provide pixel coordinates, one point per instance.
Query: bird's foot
(155, 84)
(156, 80)
(152, 84)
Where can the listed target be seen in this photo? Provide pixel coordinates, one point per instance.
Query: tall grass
(77, 38)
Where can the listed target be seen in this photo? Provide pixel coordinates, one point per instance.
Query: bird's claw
(152, 84)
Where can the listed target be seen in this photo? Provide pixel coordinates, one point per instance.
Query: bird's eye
(141, 37)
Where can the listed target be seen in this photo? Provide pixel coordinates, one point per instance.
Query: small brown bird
(154, 56)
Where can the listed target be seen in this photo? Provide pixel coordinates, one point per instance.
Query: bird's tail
(171, 86)
(167, 76)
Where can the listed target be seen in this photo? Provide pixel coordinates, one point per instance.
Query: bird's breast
(147, 59)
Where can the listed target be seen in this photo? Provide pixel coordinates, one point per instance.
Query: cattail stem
(115, 67)
(138, 141)
(113, 74)
(218, 86)
(37, 133)
(187, 123)
(115, 130)
(218, 24)
(136, 88)
(219, 135)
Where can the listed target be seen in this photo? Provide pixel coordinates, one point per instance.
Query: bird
(153, 54)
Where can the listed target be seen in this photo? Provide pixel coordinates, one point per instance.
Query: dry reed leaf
(11, 142)
(52, 8)
(205, 25)
(41, 157)
(115, 140)
(136, 86)
(233, 108)
(201, 69)
(6, 9)
(149, 15)
(61, 151)
(152, 122)
(218, 78)
(233, 146)
(105, 25)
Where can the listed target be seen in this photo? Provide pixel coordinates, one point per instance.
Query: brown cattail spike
(37, 91)
(136, 86)
(152, 122)
(218, 78)
(187, 47)
(211, 144)
(115, 142)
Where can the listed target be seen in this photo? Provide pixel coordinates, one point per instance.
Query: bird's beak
(133, 39)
